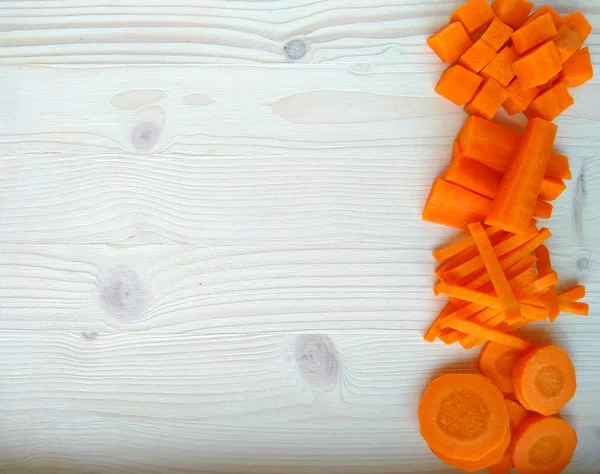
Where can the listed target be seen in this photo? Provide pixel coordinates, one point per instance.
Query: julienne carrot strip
(573, 307)
(455, 248)
(435, 329)
(544, 267)
(450, 336)
(469, 341)
(489, 334)
(574, 293)
(516, 269)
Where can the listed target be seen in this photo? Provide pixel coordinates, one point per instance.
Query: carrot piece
(456, 151)
(451, 42)
(567, 42)
(501, 67)
(572, 307)
(493, 267)
(487, 100)
(512, 12)
(577, 70)
(542, 284)
(489, 334)
(550, 103)
(449, 336)
(574, 293)
(474, 176)
(544, 266)
(463, 416)
(477, 56)
(517, 195)
(455, 248)
(578, 23)
(518, 99)
(454, 206)
(558, 167)
(473, 15)
(496, 362)
(538, 66)
(543, 445)
(435, 329)
(516, 414)
(497, 34)
(533, 33)
(542, 11)
(546, 379)
(528, 247)
(458, 84)
(543, 210)
(551, 189)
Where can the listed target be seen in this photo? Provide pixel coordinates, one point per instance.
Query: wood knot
(122, 295)
(318, 360)
(295, 49)
(145, 136)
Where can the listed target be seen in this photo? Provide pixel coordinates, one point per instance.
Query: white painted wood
(211, 254)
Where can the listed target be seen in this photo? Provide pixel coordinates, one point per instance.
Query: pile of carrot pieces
(505, 418)
(506, 57)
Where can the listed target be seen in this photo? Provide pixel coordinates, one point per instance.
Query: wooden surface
(211, 253)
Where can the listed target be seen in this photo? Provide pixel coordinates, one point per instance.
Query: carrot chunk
(538, 66)
(487, 100)
(497, 34)
(458, 84)
(477, 56)
(533, 33)
(567, 42)
(574, 293)
(512, 12)
(577, 70)
(543, 445)
(558, 167)
(578, 23)
(518, 99)
(451, 42)
(496, 362)
(517, 195)
(572, 307)
(551, 189)
(473, 14)
(501, 67)
(542, 11)
(474, 176)
(543, 210)
(550, 103)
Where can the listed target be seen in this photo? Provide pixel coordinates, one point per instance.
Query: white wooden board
(211, 252)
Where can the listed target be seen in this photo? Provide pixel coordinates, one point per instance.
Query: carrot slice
(463, 416)
(451, 42)
(487, 100)
(533, 33)
(545, 269)
(543, 445)
(473, 14)
(497, 34)
(516, 414)
(496, 362)
(455, 248)
(501, 67)
(574, 293)
(550, 103)
(518, 98)
(477, 56)
(489, 334)
(538, 66)
(572, 307)
(435, 329)
(458, 84)
(517, 196)
(545, 379)
(567, 42)
(551, 189)
(577, 70)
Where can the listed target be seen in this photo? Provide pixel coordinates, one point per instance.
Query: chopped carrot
(458, 84)
(501, 67)
(450, 421)
(541, 284)
(454, 206)
(474, 176)
(538, 66)
(516, 414)
(516, 255)
(572, 307)
(544, 380)
(544, 266)
(496, 362)
(533, 33)
(558, 167)
(477, 56)
(518, 99)
(455, 248)
(497, 34)
(487, 100)
(473, 15)
(456, 151)
(542, 11)
(551, 189)
(517, 195)
(574, 293)
(550, 103)
(489, 334)
(512, 12)
(492, 264)
(543, 445)
(449, 336)
(578, 23)
(435, 329)
(567, 42)
(543, 210)
(451, 42)
(577, 70)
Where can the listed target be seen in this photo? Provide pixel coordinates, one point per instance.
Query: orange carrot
(518, 267)
(551, 189)
(518, 99)
(450, 421)
(473, 15)
(454, 206)
(456, 151)
(449, 336)
(577, 70)
(533, 33)
(501, 67)
(455, 248)
(544, 380)
(512, 12)
(550, 103)
(517, 196)
(497, 34)
(489, 334)
(542, 11)
(451, 42)
(435, 329)
(567, 42)
(574, 293)
(487, 100)
(496, 362)
(558, 167)
(492, 264)
(543, 210)
(545, 269)
(538, 66)
(572, 307)
(474, 176)
(579, 24)
(516, 414)
(541, 284)
(477, 56)
(543, 445)
(458, 84)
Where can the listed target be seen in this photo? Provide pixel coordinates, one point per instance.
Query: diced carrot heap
(533, 34)
(501, 67)
(458, 84)
(497, 34)
(518, 98)
(578, 23)
(538, 66)
(478, 56)
(551, 103)
(473, 15)
(567, 42)
(451, 42)
(577, 70)
(512, 12)
(487, 100)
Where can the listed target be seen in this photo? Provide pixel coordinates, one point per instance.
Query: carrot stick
(574, 293)
(435, 328)
(469, 341)
(545, 268)
(455, 248)
(518, 268)
(489, 334)
(449, 336)
(542, 284)
(572, 307)
(551, 189)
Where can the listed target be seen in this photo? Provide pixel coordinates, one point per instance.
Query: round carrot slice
(516, 414)
(496, 362)
(544, 380)
(463, 416)
(543, 445)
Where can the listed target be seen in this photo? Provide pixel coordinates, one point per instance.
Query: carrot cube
(501, 67)
(497, 34)
(538, 66)
(478, 56)
(542, 11)
(551, 189)
(474, 176)
(458, 84)
(579, 24)
(534, 33)
(512, 12)
(473, 15)
(451, 42)
(518, 98)
(487, 100)
(567, 42)
(551, 103)
(577, 70)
